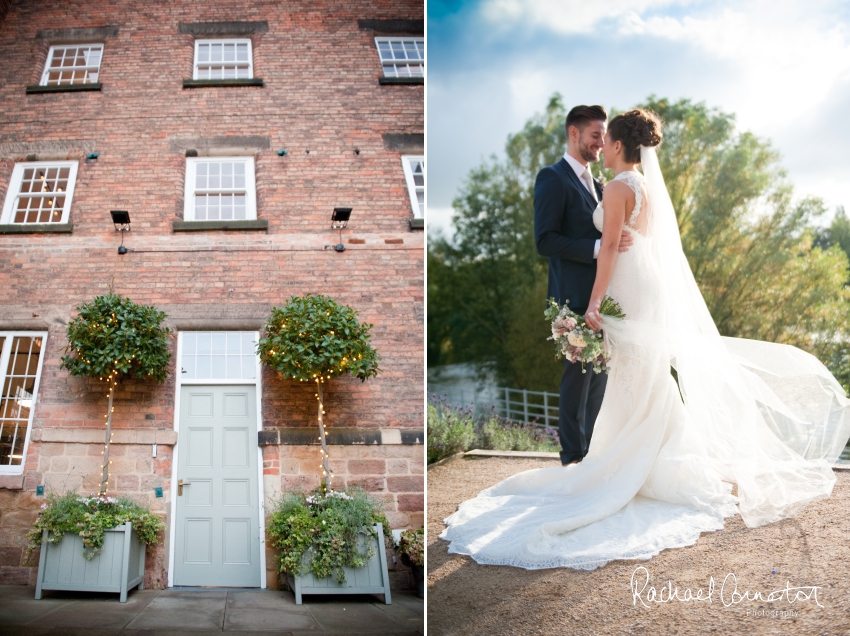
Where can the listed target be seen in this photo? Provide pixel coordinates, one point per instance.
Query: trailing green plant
(90, 517)
(327, 525)
(111, 338)
(411, 546)
(312, 339)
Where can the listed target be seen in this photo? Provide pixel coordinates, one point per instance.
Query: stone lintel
(405, 142)
(56, 435)
(219, 146)
(340, 436)
(90, 35)
(206, 29)
(393, 27)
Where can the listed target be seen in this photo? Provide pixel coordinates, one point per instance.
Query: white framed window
(72, 64)
(402, 57)
(40, 192)
(220, 189)
(218, 355)
(223, 59)
(21, 360)
(414, 175)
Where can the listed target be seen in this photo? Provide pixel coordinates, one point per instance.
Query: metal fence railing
(519, 405)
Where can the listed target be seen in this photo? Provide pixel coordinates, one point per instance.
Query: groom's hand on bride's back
(625, 241)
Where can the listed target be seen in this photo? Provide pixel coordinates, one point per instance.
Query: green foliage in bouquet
(113, 336)
(327, 524)
(411, 546)
(90, 517)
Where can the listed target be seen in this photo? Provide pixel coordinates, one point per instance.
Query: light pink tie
(589, 181)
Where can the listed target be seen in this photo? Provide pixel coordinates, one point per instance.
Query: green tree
(113, 338)
(751, 244)
(312, 339)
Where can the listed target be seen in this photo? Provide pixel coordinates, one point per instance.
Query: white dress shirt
(579, 170)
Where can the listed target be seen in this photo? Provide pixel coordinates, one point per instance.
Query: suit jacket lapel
(571, 174)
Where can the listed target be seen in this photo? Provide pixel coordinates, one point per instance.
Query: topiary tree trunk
(312, 339)
(113, 338)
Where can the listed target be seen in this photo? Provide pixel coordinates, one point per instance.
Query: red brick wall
(321, 100)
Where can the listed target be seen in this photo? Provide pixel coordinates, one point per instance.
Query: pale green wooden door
(217, 536)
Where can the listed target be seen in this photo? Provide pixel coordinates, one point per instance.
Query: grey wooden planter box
(372, 578)
(119, 567)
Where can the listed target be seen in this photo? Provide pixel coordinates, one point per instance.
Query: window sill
(12, 482)
(37, 228)
(401, 80)
(65, 88)
(417, 224)
(202, 226)
(250, 81)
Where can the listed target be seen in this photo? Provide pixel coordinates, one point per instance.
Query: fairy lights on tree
(312, 339)
(114, 338)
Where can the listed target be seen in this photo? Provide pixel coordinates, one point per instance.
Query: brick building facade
(306, 108)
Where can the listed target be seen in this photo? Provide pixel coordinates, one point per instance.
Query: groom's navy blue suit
(564, 232)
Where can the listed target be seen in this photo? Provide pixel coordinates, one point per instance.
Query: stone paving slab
(196, 612)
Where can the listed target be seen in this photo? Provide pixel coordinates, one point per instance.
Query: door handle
(180, 484)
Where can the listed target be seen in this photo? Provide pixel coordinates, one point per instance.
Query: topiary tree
(112, 338)
(312, 339)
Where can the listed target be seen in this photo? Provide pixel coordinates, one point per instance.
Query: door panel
(217, 538)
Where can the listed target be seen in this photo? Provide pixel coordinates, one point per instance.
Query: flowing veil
(771, 418)
(767, 417)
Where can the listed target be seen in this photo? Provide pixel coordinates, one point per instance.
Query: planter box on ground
(119, 567)
(372, 578)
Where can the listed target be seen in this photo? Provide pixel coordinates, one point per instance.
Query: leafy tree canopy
(114, 334)
(314, 337)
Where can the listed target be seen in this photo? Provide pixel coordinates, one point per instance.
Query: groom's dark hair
(581, 116)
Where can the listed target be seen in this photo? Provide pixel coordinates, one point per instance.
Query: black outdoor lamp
(121, 219)
(339, 220)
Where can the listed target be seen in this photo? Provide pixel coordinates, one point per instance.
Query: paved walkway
(190, 612)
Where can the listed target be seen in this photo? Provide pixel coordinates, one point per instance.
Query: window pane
(203, 52)
(215, 52)
(242, 52)
(219, 370)
(203, 342)
(249, 367)
(202, 370)
(229, 52)
(189, 342)
(234, 341)
(249, 344)
(187, 367)
(218, 342)
(234, 368)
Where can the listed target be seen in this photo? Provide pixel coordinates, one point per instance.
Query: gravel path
(812, 549)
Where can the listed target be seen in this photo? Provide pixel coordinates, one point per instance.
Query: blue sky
(782, 67)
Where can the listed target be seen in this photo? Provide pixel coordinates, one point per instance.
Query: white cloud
(564, 16)
(787, 59)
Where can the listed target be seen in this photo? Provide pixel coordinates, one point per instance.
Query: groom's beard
(587, 154)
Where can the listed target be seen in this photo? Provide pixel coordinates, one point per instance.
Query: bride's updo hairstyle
(635, 128)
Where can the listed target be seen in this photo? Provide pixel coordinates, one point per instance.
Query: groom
(565, 195)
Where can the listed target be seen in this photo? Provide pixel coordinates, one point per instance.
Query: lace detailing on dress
(635, 181)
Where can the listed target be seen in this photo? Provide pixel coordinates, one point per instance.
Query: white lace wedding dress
(769, 418)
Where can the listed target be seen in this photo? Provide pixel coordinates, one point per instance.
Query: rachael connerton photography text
(728, 593)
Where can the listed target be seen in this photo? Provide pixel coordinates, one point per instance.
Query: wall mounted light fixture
(121, 219)
(339, 219)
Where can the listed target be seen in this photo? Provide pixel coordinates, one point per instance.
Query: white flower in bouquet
(576, 341)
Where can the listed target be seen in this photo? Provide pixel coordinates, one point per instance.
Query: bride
(767, 418)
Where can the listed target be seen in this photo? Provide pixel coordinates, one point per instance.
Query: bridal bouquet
(577, 342)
